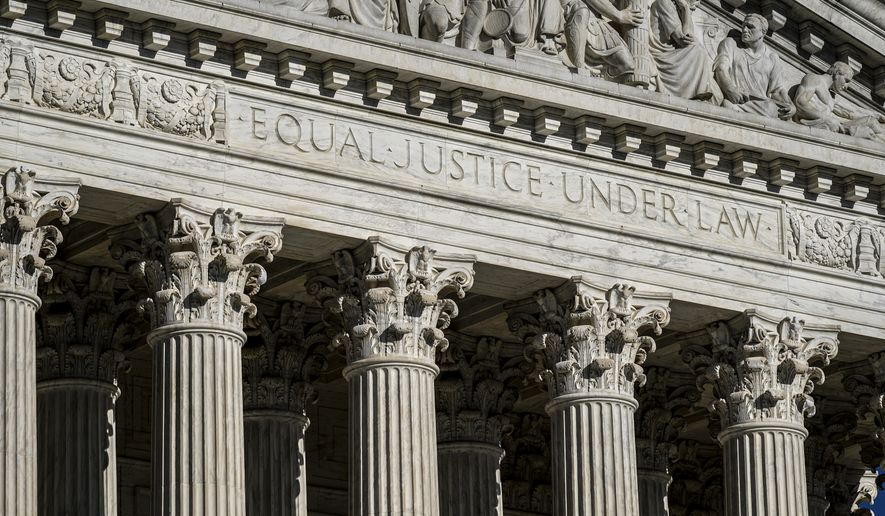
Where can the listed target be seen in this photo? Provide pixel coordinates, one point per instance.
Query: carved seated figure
(318, 7)
(440, 19)
(390, 15)
(590, 40)
(815, 100)
(750, 74)
(515, 22)
(684, 68)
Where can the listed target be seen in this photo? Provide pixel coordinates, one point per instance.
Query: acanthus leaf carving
(195, 266)
(760, 368)
(475, 392)
(82, 327)
(25, 244)
(383, 302)
(525, 468)
(661, 418)
(279, 373)
(582, 343)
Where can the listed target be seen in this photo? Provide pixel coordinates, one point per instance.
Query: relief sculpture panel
(853, 245)
(111, 90)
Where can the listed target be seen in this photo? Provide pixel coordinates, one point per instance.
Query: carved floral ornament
(25, 244)
(475, 392)
(82, 328)
(279, 373)
(112, 90)
(760, 368)
(383, 302)
(581, 341)
(195, 266)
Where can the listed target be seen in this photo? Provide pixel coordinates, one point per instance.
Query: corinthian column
(586, 344)
(78, 357)
(659, 421)
(192, 266)
(762, 384)
(26, 242)
(826, 442)
(277, 386)
(390, 308)
(473, 393)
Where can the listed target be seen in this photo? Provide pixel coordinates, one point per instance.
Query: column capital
(194, 265)
(525, 469)
(475, 392)
(27, 240)
(759, 366)
(388, 302)
(82, 327)
(868, 391)
(827, 439)
(660, 418)
(279, 373)
(583, 338)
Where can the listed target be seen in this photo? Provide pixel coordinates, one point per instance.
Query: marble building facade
(441, 257)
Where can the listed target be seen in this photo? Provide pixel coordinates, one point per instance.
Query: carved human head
(842, 75)
(754, 28)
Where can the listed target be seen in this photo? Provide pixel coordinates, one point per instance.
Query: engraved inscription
(597, 197)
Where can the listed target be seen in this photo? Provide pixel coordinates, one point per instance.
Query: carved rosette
(193, 266)
(760, 368)
(474, 393)
(582, 342)
(279, 373)
(386, 303)
(660, 419)
(81, 328)
(25, 244)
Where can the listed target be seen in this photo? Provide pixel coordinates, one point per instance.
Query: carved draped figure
(390, 15)
(318, 7)
(759, 76)
(683, 71)
(593, 41)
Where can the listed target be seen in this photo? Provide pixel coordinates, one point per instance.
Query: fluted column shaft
(198, 437)
(594, 455)
(393, 462)
(18, 404)
(653, 487)
(470, 479)
(276, 479)
(77, 456)
(764, 467)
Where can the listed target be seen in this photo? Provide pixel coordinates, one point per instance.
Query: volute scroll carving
(386, 302)
(279, 373)
(760, 368)
(26, 238)
(583, 339)
(194, 266)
